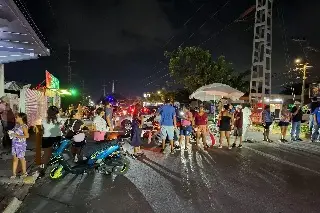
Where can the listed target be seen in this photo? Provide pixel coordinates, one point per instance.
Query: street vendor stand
(215, 92)
(35, 102)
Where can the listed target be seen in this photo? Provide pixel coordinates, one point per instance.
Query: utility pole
(82, 92)
(104, 88)
(112, 90)
(303, 67)
(69, 65)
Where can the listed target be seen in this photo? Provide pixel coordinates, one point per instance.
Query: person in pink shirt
(186, 127)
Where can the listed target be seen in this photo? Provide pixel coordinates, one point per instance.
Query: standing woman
(73, 128)
(137, 121)
(51, 128)
(266, 122)
(99, 125)
(201, 122)
(225, 121)
(284, 122)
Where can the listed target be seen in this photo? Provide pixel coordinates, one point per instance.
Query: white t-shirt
(51, 129)
(246, 115)
(100, 124)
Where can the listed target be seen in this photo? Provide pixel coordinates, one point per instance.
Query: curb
(13, 206)
(21, 194)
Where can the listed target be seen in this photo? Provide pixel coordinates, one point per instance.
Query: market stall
(34, 102)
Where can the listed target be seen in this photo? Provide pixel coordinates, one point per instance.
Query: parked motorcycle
(109, 160)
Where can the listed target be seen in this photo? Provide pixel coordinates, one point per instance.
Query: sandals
(24, 175)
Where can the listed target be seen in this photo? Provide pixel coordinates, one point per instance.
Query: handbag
(79, 137)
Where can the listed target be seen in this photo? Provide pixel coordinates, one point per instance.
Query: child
(19, 134)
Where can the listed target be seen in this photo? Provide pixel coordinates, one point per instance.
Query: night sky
(125, 39)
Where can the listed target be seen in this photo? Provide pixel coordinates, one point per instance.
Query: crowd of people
(295, 118)
(191, 122)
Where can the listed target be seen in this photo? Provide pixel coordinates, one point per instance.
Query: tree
(193, 67)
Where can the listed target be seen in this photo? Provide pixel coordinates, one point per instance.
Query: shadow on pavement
(88, 193)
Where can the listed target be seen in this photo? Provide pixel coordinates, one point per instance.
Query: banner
(51, 81)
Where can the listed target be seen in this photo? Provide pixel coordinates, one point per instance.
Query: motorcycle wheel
(121, 170)
(57, 172)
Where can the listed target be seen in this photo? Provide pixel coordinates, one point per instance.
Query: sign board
(51, 81)
(314, 90)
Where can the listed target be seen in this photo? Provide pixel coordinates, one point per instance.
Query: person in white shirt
(99, 125)
(246, 122)
(51, 129)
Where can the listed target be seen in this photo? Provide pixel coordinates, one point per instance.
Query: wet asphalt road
(258, 178)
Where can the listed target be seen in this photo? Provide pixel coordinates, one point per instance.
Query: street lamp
(298, 61)
(159, 92)
(303, 67)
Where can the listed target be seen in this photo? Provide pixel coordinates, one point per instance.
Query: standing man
(238, 125)
(296, 121)
(168, 123)
(7, 119)
(313, 105)
(108, 115)
(316, 125)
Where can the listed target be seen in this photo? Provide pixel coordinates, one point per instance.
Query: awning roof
(18, 41)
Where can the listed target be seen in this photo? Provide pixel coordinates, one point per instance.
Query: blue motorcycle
(110, 159)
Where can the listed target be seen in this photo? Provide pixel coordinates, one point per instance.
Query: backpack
(69, 130)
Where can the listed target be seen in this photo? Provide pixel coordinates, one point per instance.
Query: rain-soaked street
(258, 178)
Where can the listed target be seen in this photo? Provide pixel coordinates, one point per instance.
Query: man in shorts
(238, 125)
(168, 123)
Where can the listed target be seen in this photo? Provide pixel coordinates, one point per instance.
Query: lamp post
(303, 67)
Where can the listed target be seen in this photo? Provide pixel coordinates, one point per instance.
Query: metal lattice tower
(260, 85)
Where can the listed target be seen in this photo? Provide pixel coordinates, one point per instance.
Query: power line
(211, 16)
(170, 39)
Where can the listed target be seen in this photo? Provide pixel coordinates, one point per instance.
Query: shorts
(282, 123)
(48, 142)
(267, 126)
(237, 131)
(167, 131)
(202, 129)
(186, 130)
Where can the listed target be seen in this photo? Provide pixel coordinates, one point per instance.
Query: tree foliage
(193, 67)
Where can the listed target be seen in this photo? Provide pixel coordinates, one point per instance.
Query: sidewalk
(305, 145)
(13, 192)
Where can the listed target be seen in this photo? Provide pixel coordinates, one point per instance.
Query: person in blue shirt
(266, 122)
(297, 115)
(316, 125)
(168, 123)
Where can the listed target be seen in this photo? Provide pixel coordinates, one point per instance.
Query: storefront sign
(51, 81)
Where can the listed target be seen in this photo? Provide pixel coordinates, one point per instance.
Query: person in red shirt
(201, 122)
(238, 124)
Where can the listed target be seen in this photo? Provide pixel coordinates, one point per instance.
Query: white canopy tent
(216, 91)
